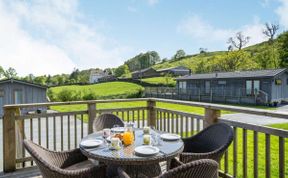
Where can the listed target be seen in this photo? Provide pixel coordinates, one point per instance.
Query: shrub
(65, 95)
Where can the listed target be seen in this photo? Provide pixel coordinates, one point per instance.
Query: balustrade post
(91, 116)
(151, 114)
(9, 139)
(211, 116)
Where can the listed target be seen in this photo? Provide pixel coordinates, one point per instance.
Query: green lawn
(169, 81)
(280, 126)
(109, 90)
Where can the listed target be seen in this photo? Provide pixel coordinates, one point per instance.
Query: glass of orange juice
(128, 138)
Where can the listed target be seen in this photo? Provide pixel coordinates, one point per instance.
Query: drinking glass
(115, 126)
(106, 133)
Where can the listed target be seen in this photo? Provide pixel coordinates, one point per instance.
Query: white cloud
(265, 3)
(152, 2)
(206, 34)
(50, 37)
(282, 12)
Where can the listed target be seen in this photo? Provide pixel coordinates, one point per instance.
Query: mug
(115, 143)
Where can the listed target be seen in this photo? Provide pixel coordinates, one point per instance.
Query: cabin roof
(22, 82)
(143, 70)
(237, 74)
(178, 68)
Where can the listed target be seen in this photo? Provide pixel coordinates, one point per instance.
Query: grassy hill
(168, 81)
(196, 62)
(109, 90)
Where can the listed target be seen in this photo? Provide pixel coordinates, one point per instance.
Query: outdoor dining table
(126, 155)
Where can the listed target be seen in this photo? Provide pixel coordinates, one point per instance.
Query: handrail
(73, 103)
(240, 109)
(187, 103)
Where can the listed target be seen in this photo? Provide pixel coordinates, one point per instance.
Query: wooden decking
(23, 173)
(33, 172)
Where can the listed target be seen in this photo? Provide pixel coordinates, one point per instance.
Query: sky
(56, 36)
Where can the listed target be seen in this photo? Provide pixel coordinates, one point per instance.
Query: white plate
(170, 137)
(118, 129)
(91, 143)
(147, 150)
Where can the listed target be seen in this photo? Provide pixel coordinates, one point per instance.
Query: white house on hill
(95, 76)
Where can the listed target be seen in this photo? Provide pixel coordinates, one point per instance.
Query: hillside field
(109, 90)
(167, 81)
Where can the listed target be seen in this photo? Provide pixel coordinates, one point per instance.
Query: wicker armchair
(106, 121)
(201, 168)
(210, 143)
(67, 164)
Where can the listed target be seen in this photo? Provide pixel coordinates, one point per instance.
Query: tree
(203, 50)
(268, 58)
(270, 30)
(234, 60)
(74, 76)
(10, 73)
(143, 60)
(283, 49)
(40, 80)
(122, 70)
(1, 72)
(239, 41)
(179, 54)
(230, 48)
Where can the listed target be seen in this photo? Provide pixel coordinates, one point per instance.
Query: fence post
(91, 116)
(151, 114)
(9, 139)
(211, 116)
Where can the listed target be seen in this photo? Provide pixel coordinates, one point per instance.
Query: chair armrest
(68, 158)
(122, 173)
(175, 163)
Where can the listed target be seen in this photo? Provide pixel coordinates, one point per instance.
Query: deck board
(23, 173)
(33, 172)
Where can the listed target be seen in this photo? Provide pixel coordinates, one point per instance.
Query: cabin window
(249, 87)
(207, 87)
(1, 93)
(182, 85)
(18, 97)
(256, 86)
(221, 82)
(252, 87)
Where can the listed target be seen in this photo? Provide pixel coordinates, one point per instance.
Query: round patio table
(126, 155)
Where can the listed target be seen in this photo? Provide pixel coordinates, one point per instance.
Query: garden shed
(13, 91)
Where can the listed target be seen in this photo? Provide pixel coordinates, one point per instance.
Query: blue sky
(55, 36)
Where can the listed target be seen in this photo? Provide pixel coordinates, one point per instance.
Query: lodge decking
(149, 111)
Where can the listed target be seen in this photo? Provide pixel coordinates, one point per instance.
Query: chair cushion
(83, 164)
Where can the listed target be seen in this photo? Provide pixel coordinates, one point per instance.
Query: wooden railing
(64, 130)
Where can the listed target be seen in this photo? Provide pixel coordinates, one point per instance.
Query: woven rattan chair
(106, 121)
(205, 168)
(67, 164)
(210, 143)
